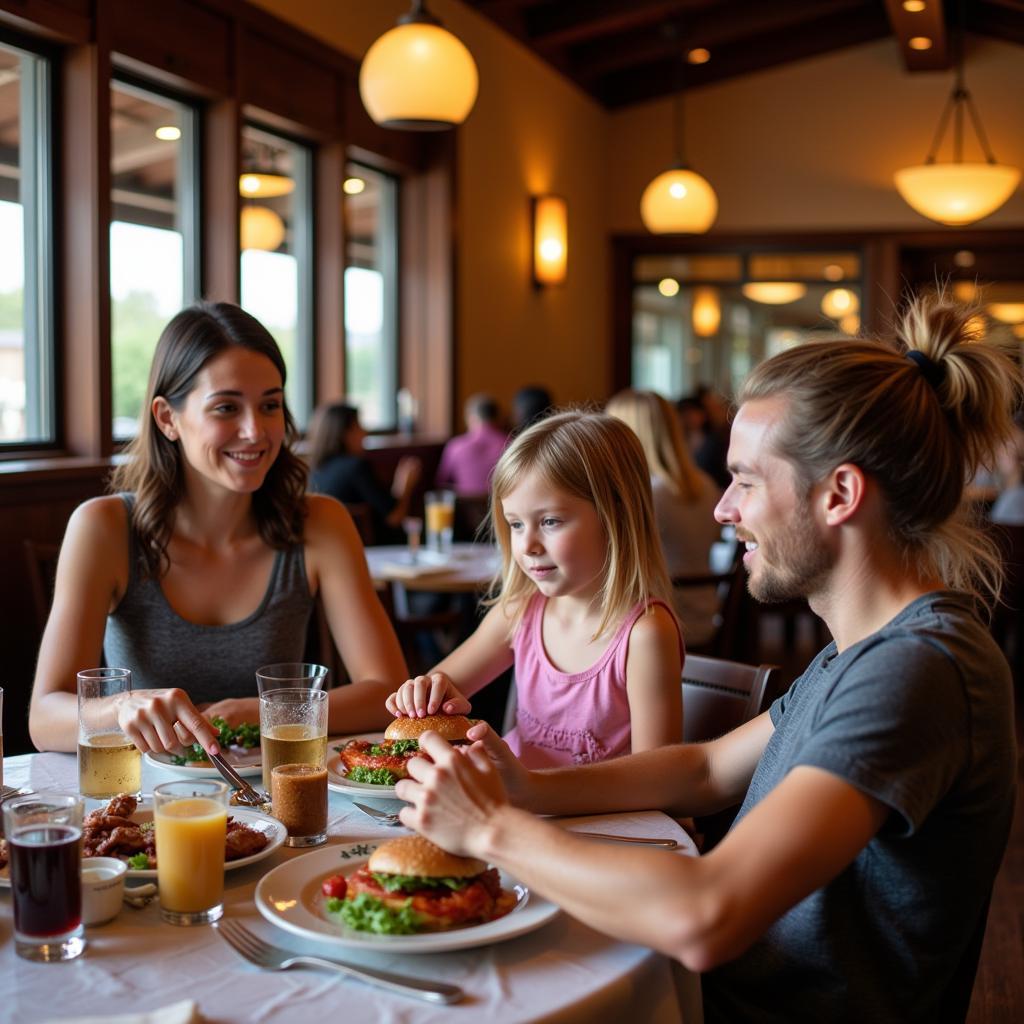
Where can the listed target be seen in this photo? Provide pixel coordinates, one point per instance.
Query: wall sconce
(550, 219)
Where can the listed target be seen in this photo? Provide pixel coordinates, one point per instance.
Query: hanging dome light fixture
(958, 193)
(679, 200)
(418, 75)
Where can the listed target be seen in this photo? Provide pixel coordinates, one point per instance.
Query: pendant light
(679, 200)
(418, 75)
(958, 193)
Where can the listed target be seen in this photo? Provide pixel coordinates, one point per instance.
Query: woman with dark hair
(339, 468)
(205, 563)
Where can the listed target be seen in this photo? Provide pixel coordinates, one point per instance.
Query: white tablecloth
(563, 972)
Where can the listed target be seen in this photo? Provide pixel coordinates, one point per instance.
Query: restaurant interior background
(396, 267)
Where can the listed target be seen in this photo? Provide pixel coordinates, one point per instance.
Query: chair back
(1008, 614)
(363, 518)
(41, 566)
(720, 695)
(730, 619)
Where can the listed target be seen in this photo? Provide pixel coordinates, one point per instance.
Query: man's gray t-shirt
(920, 716)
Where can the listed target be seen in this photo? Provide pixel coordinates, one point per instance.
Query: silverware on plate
(246, 795)
(256, 951)
(388, 818)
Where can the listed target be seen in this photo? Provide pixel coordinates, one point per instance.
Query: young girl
(583, 608)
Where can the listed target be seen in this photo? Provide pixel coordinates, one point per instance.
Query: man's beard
(799, 561)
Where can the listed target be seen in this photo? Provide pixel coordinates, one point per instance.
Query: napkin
(185, 1012)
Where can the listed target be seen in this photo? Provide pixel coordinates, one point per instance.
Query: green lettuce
(366, 913)
(394, 747)
(410, 883)
(374, 776)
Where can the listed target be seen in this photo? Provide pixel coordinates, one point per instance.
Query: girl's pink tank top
(567, 718)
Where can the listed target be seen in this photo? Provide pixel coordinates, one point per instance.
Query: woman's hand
(453, 797)
(235, 711)
(515, 776)
(427, 695)
(164, 720)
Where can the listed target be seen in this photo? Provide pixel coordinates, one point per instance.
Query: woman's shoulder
(328, 524)
(106, 516)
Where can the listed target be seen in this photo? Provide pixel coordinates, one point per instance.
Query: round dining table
(563, 971)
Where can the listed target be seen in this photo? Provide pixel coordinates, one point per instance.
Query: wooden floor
(998, 996)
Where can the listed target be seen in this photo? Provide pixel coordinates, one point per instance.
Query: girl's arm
(654, 681)
(468, 669)
(336, 563)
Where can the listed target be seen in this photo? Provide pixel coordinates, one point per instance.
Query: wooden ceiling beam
(742, 20)
(564, 22)
(1001, 19)
(930, 24)
(743, 56)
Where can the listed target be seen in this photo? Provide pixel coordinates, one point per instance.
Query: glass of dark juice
(44, 836)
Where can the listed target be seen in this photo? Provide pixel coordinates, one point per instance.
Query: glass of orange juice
(439, 510)
(191, 828)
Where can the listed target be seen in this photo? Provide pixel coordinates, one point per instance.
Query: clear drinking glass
(291, 675)
(413, 527)
(191, 828)
(44, 836)
(293, 730)
(300, 802)
(108, 762)
(439, 508)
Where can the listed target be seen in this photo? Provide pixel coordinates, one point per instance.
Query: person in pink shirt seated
(469, 459)
(583, 610)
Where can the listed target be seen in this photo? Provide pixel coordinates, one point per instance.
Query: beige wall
(531, 131)
(807, 146)
(814, 144)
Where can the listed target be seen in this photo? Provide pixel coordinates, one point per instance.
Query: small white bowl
(102, 888)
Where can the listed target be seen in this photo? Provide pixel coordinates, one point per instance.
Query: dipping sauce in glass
(300, 802)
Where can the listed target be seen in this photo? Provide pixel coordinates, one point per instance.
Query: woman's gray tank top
(210, 663)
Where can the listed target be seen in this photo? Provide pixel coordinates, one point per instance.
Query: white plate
(244, 764)
(290, 897)
(336, 779)
(262, 822)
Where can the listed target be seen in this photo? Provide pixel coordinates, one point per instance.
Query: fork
(387, 818)
(255, 950)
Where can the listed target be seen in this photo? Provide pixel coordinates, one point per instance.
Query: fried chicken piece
(243, 841)
(123, 805)
(123, 841)
(103, 822)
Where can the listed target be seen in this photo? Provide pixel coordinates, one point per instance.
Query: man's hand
(427, 695)
(453, 798)
(164, 720)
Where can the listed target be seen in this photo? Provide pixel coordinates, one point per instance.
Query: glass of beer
(300, 802)
(44, 835)
(191, 821)
(291, 675)
(108, 762)
(439, 508)
(293, 730)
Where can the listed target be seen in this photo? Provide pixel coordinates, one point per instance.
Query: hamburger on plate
(409, 885)
(384, 763)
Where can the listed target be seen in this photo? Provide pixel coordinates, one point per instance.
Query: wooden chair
(720, 695)
(1008, 614)
(471, 513)
(363, 518)
(41, 567)
(735, 611)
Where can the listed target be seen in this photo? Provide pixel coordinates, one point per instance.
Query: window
(371, 295)
(277, 253)
(708, 319)
(26, 250)
(153, 234)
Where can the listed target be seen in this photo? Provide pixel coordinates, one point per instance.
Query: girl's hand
(235, 711)
(164, 720)
(452, 797)
(427, 695)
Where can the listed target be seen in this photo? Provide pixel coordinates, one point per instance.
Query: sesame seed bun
(414, 855)
(450, 727)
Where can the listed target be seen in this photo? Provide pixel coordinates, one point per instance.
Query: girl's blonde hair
(598, 458)
(921, 415)
(656, 424)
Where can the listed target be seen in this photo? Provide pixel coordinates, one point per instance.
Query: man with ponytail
(877, 794)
